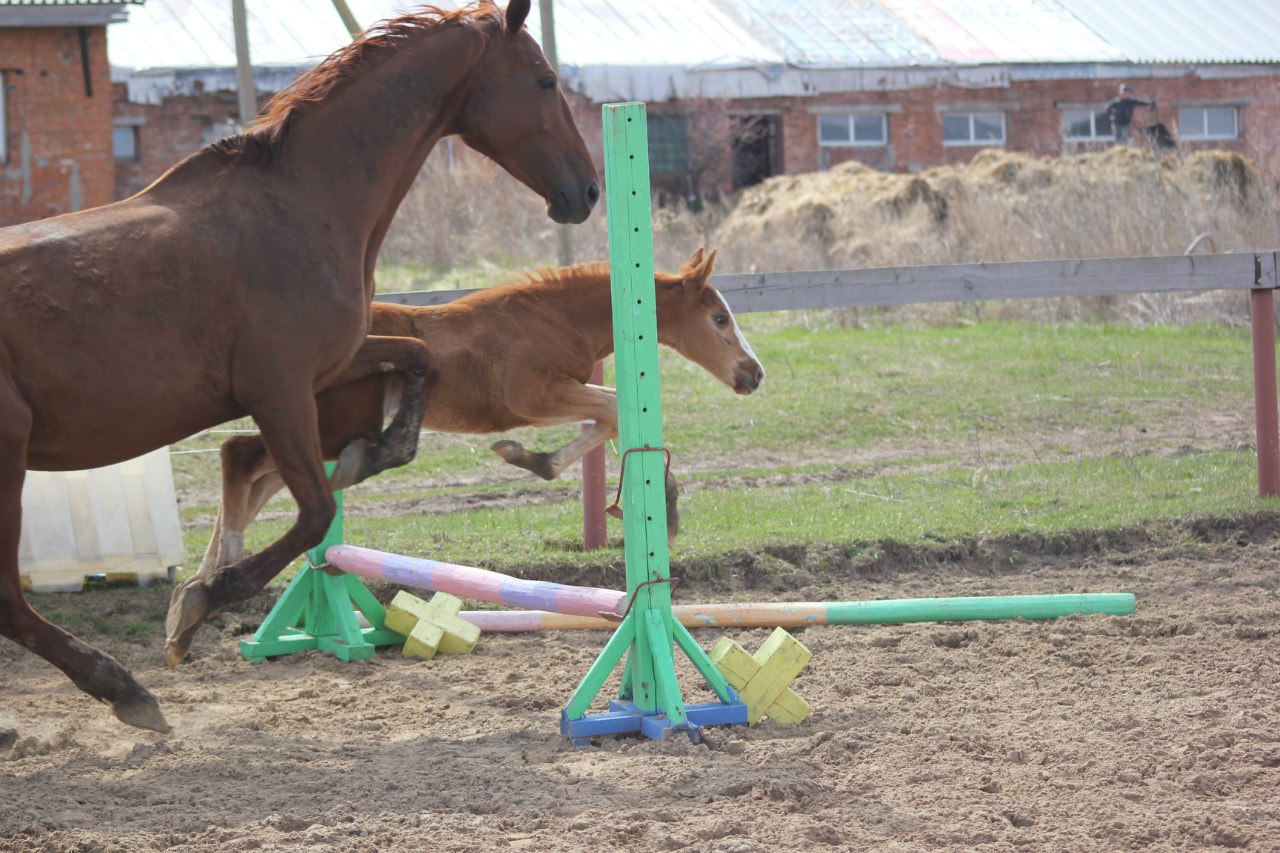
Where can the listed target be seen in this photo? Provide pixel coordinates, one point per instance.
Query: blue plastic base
(623, 718)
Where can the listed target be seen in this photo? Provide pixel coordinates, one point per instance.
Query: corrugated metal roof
(833, 32)
(1184, 30)
(662, 48)
(1004, 31)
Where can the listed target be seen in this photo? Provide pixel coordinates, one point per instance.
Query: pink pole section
(1262, 315)
(594, 532)
(469, 582)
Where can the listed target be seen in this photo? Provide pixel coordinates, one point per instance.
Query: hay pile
(1001, 206)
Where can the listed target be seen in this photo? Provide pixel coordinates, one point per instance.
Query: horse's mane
(264, 138)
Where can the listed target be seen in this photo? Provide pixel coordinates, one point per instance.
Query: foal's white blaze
(737, 330)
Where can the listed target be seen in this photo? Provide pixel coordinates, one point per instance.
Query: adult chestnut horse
(509, 356)
(239, 283)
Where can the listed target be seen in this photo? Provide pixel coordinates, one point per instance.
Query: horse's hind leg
(94, 672)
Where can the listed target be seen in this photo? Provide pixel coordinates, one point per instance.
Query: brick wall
(169, 132)
(57, 136)
(1033, 123)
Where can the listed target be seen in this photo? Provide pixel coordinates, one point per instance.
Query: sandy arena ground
(1159, 731)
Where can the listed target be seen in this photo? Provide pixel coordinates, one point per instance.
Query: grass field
(859, 436)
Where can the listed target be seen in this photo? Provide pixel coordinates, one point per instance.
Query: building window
(4, 124)
(668, 144)
(855, 129)
(124, 142)
(973, 129)
(1208, 123)
(1087, 126)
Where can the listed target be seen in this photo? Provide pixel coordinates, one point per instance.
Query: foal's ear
(517, 11)
(698, 269)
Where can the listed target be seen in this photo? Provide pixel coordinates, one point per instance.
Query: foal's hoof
(142, 711)
(352, 466)
(188, 608)
(514, 452)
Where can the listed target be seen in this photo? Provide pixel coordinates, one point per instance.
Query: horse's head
(517, 116)
(694, 319)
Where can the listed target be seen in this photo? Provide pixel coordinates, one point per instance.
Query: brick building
(55, 108)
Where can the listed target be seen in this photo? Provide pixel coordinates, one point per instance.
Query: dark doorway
(757, 149)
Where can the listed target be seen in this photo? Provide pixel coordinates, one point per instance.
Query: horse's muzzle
(747, 377)
(569, 206)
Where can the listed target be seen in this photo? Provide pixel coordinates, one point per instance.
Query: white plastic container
(120, 521)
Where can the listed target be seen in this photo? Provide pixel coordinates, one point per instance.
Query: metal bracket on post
(649, 699)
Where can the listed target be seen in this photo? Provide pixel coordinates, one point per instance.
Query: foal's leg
(95, 673)
(564, 402)
(550, 465)
(288, 422)
(244, 460)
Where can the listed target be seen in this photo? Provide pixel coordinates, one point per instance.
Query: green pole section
(978, 608)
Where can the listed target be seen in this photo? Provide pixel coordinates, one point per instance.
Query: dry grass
(470, 224)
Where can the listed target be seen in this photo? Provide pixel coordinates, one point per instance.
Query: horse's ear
(699, 268)
(517, 11)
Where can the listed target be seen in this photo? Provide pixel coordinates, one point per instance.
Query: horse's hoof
(187, 611)
(143, 712)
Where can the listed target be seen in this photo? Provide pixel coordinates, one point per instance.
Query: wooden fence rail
(1255, 272)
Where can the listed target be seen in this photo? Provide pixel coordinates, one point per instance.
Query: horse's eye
(547, 83)
(722, 320)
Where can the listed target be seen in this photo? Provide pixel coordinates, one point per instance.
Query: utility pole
(348, 19)
(246, 89)
(594, 531)
(564, 241)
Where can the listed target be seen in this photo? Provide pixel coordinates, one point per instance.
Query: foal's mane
(579, 274)
(264, 138)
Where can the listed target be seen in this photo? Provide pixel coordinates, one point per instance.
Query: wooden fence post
(1262, 318)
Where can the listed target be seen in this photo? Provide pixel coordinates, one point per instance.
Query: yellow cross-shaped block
(762, 680)
(431, 626)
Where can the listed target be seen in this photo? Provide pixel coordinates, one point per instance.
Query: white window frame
(1094, 136)
(1202, 133)
(971, 142)
(853, 141)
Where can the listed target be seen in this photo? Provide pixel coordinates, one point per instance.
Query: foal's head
(694, 319)
(517, 115)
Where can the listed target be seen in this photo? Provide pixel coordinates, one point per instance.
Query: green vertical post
(648, 631)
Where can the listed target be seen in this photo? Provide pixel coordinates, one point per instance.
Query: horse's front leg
(288, 423)
(94, 672)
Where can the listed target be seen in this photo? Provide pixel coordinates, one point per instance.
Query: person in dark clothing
(1120, 112)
